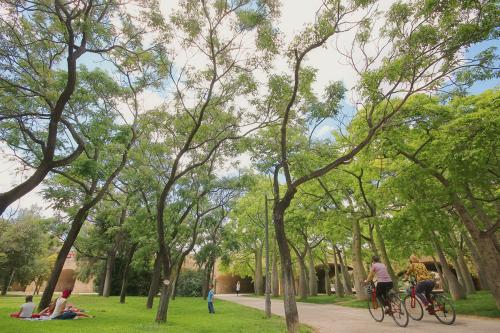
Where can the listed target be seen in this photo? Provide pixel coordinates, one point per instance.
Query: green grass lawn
(186, 315)
(481, 303)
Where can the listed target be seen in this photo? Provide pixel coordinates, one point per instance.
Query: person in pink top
(384, 281)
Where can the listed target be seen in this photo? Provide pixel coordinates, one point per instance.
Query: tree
(421, 36)
(41, 46)
(24, 248)
(205, 114)
(459, 163)
(90, 177)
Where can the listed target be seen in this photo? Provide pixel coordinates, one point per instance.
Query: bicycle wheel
(414, 308)
(398, 311)
(444, 310)
(376, 309)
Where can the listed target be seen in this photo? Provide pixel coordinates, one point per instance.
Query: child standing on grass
(210, 299)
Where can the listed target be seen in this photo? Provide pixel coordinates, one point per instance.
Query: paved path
(328, 318)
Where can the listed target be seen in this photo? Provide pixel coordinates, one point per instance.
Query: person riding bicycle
(384, 281)
(424, 279)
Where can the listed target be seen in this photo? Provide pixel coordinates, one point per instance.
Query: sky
(294, 15)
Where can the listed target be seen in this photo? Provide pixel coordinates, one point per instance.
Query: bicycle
(439, 306)
(396, 308)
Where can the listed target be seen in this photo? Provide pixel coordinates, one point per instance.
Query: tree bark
(458, 270)
(206, 277)
(373, 246)
(486, 246)
(477, 260)
(357, 262)
(303, 283)
(102, 279)
(326, 267)
(462, 265)
(166, 290)
(486, 242)
(275, 277)
(345, 273)
(339, 289)
(291, 313)
(385, 257)
(441, 276)
(456, 291)
(130, 256)
(328, 286)
(174, 285)
(77, 224)
(110, 264)
(9, 197)
(155, 282)
(313, 279)
(6, 282)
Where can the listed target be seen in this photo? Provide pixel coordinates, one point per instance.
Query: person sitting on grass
(49, 309)
(210, 299)
(26, 310)
(60, 307)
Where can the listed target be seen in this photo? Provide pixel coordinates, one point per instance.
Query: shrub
(189, 283)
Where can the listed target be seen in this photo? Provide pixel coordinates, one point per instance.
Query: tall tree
(41, 46)
(431, 59)
(206, 114)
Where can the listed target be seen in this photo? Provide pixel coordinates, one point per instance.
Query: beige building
(67, 279)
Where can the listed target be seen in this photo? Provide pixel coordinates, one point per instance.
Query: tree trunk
(291, 313)
(258, 283)
(176, 274)
(459, 262)
(486, 246)
(9, 197)
(166, 290)
(6, 282)
(206, 278)
(486, 242)
(313, 279)
(102, 279)
(328, 286)
(455, 289)
(303, 285)
(130, 256)
(339, 289)
(326, 267)
(345, 274)
(385, 257)
(458, 270)
(275, 277)
(155, 282)
(174, 285)
(441, 276)
(110, 264)
(477, 260)
(357, 262)
(373, 246)
(77, 224)
(466, 275)
(166, 287)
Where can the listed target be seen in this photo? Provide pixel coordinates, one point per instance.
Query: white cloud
(324, 131)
